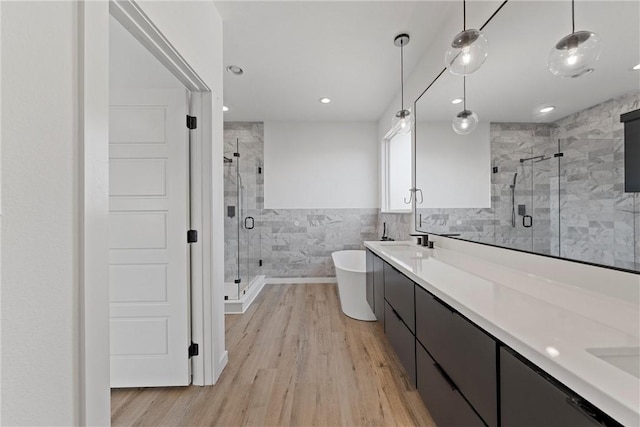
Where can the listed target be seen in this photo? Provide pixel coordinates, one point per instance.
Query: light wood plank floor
(294, 360)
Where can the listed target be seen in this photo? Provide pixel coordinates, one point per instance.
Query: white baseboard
(299, 280)
(241, 305)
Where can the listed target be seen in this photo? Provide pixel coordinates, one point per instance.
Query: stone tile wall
(598, 221)
(577, 201)
(399, 225)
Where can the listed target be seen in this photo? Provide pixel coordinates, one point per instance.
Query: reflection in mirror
(531, 177)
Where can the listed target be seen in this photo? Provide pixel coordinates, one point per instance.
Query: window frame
(385, 158)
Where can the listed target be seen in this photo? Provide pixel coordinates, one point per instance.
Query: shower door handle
(249, 225)
(526, 224)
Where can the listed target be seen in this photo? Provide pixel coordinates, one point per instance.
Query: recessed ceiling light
(547, 109)
(456, 101)
(325, 100)
(225, 108)
(235, 70)
(637, 67)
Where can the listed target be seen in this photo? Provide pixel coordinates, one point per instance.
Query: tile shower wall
(580, 212)
(511, 142)
(598, 221)
(293, 243)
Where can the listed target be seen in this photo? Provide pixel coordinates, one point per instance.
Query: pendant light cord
(402, 75)
(464, 15)
(573, 17)
(464, 92)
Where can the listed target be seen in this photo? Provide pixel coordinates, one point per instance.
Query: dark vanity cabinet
(456, 366)
(530, 399)
(399, 317)
(464, 354)
(398, 291)
(402, 341)
(443, 399)
(369, 280)
(375, 285)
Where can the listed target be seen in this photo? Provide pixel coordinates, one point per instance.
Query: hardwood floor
(294, 360)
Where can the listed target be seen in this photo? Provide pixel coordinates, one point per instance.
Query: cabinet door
(529, 400)
(444, 402)
(466, 353)
(398, 291)
(378, 288)
(369, 280)
(402, 341)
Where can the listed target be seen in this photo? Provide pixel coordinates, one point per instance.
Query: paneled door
(149, 261)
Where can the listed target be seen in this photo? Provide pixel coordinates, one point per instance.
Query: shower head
(515, 175)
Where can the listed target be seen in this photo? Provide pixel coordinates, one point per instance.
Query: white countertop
(548, 322)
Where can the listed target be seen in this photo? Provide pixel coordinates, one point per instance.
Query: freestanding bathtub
(351, 272)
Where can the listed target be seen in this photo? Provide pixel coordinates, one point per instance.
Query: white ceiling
(514, 83)
(294, 52)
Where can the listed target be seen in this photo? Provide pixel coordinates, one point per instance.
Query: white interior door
(149, 273)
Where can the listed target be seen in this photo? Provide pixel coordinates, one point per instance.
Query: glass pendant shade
(575, 55)
(402, 122)
(468, 51)
(464, 122)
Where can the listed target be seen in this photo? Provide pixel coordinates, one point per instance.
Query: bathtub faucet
(384, 232)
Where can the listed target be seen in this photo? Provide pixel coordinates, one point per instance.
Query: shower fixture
(403, 119)
(575, 54)
(536, 158)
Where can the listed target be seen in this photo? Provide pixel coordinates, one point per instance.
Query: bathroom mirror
(545, 182)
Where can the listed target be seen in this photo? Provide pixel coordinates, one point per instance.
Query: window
(396, 174)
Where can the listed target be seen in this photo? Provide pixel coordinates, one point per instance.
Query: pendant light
(466, 120)
(468, 51)
(403, 119)
(575, 54)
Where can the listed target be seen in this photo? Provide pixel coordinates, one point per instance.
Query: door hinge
(558, 155)
(259, 169)
(193, 349)
(192, 236)
(259, 263)
(236, 154)
(192, 122)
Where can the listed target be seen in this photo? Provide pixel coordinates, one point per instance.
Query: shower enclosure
(242, 196)
(525, 195)
(566, 198)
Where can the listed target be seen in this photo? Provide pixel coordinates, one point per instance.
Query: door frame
(207, 301)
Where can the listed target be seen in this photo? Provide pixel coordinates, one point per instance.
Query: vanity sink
(625, 358)
(396, 244)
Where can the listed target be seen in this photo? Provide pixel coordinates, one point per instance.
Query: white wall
(41, 373)
(320, 165)
(454, 170)
(39, 225)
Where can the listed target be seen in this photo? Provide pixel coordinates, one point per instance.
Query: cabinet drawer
(398, 291)
(369, 280)
(466, 353)
(528, 399)
(378, 288)
(445, 404)
(402, 341)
